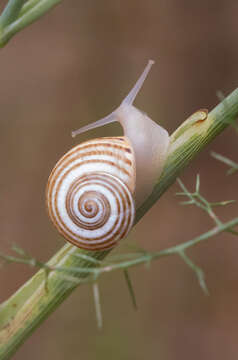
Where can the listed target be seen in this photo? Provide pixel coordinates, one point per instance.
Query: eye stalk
(149, 141)
(129, 99)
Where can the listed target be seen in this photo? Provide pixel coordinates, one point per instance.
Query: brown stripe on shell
(108, 153)
(125, 160)
(100, 245)
(84, 238)
(92, 144)
(52, 179)
(88, 194)
(63, 226)
(117, 143)
(107, 142)
(108, 242)
(82, 164)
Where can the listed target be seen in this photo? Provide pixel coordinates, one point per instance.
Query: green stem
(31, 11)
(34, 301)
(28, 6)
(184, 246)
(190, 143)
(11, 11)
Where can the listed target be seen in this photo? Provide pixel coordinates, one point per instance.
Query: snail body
(94, 189)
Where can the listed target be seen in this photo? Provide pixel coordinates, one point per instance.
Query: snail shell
(94, 188)
(89, 193)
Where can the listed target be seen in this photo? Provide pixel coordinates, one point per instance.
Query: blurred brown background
(73, 67)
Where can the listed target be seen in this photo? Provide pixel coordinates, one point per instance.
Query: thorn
(130, 288)
(97, 303)
(197, 183)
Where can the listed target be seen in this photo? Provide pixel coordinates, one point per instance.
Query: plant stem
(22, 313)
(11, 12)
(30, 12)
(28, 6)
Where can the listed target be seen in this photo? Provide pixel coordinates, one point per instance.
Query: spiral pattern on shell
(89, 193)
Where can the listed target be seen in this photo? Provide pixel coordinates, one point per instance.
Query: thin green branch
(198, 271)
(215, 231)
(222, 98)
(31, 304)
(130, 287)
(32, 11)
(177, 249)
(30, 4)
(233, 165)
(10, 12)
(134, 259)
(97, 303)
(198, 200)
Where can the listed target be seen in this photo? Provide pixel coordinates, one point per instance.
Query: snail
(94, 189)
